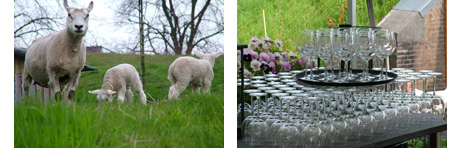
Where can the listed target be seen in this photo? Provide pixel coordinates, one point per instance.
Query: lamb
(188, 70)
(56, 60)
(120, 80)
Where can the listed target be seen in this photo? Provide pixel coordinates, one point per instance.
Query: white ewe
(56, 60)
(120, 80)
(188, 70)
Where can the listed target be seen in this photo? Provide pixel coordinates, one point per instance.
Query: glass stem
(274, 105)
(258, 107)
(346, 71)
(325, 71)
(434, 86)
(366, 73)
(381, 70)
(311, 68)
(252, 106)
(424, 86)
(289, 109)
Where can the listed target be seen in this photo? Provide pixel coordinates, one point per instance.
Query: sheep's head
(102, 94)
(208, 57)
(77, 19)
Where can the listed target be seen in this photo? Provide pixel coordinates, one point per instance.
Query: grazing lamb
(120, 80)
(188, 70)
(56, 60)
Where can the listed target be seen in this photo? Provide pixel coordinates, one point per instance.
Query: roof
(22, 53)
(422, 6)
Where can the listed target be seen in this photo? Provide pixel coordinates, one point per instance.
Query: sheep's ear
(94, 91)
(90, 6)
(111, 92)
(199, 54)
(217, 54)
(66, 6)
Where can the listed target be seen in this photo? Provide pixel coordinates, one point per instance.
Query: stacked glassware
(284, 113)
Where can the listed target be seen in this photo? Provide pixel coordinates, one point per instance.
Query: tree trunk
(141, 31)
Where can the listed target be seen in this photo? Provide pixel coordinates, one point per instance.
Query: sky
(102, 29)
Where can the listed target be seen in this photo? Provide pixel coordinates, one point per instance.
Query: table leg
(435, 140)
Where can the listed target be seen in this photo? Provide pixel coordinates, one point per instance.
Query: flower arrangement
(265, 56)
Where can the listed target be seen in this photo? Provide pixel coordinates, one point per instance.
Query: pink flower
(273, 66)
(302, 61)
(309, 65)
(277, 55)
(292, 55)
(279, 44)
(267, 41)
(254, 43)
(254, 55)
(264, 57)
(265, 47)
(247, 74)
(255, 65)
(271, 56)
(286, 66)
(285, 55)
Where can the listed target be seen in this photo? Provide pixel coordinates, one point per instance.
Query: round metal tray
(354, 82)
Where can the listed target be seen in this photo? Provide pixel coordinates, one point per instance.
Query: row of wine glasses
(283, 113)
(344, 44)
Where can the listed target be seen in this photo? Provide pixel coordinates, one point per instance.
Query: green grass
(196, 120)
(285, 18)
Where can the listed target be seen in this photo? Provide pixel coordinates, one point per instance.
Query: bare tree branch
(179, 26)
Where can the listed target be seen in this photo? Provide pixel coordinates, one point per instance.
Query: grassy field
(194, 121)
(285, 18)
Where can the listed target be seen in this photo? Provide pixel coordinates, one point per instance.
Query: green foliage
(285, 18)
(196, 120)
(422, 142)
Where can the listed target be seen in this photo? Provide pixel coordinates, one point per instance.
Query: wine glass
(306, 43)
(434, 74)
(346, 51)
(366, 50)
(382, 40)
(289, 135)
(258, 131)
(325, 49)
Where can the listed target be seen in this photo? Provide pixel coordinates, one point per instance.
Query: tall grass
(196, 120)
(285, 18)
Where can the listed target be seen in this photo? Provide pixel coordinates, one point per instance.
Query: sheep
(56, 60)
(188, 70)
(120, 80)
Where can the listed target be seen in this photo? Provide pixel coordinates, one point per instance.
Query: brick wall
(94, 49)
(429, 53)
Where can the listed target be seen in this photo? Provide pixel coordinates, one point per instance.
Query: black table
(390, 139)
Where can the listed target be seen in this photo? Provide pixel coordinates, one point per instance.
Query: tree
(141, 30)
(177, 26)
(33, 19)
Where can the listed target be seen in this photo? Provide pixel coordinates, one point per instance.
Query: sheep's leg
(54, 84)
(26, 80)
(73, 84)
(177, 89)
(121, 95)
(195, 88)
(138, 89)
(206, 85)
(129, 95)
